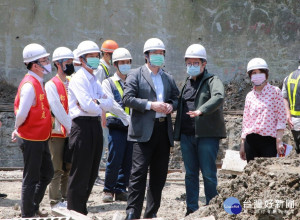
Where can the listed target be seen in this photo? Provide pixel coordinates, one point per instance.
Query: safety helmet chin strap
(85, 62)
(38, 63)
(148, 56)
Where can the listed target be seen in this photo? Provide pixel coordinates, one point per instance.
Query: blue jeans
(119, 161)
(199, 154)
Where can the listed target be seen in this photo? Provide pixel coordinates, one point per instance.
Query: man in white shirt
(57, 95)
(102, 72)
(33, 129)
(118, 164)
(86, 101)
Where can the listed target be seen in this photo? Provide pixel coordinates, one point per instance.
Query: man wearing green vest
(119, 149)
(291, 95)
(101, 73)
(107, 49)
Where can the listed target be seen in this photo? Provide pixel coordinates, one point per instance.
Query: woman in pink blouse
(264, 117)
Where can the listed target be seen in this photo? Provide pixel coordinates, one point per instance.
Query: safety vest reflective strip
(120, 90)
(293, 101)
(105, 69)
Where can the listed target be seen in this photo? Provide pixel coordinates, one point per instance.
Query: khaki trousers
(58, 185)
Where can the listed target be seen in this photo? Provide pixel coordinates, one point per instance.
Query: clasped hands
(162, 107)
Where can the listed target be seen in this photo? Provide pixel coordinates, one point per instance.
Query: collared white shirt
(116, 109)
(56, 107)
(100, 72)
(159, 90)
(27, 99)
(83, 89)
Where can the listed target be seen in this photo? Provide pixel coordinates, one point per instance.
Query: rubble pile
(7, 92)
(269, 188)
(236, 92)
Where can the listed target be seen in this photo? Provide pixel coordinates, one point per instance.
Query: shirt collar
(264, 90)
(160, 71)
(117, 77)
(88, 75)
(105, 64)
(40, 79)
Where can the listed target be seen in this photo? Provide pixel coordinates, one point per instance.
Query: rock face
(269, 188)
(10, 154)
(232, 31)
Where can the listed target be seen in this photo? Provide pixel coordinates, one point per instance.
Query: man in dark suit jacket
(152, 95)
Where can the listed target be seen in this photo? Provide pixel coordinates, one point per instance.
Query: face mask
(77, 68)
(69, 69)
(93, 62)
(124, 69)
(157, 59)
(48, 69)
(258, 79)
(193, 71)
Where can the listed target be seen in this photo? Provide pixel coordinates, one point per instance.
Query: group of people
(61, 128)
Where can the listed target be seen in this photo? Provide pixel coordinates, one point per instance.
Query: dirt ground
(172, 205)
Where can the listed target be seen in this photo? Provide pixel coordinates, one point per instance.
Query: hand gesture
(193, 114)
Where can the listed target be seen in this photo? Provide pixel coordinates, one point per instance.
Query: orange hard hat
(109, 46)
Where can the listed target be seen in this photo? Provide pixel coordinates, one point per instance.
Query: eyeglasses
(46, 60)
(195, 64)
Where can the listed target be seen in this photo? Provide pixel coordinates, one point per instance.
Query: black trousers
(86, 140)
(296, 135)
(154, 153)
(260, 146)
(37, 174)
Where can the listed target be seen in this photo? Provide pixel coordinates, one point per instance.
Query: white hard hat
(62, 53)
(86, 47)
(195, 51)
(154, 44)
(76, 58)
(121, 54)
(34, 52)
(257, 63)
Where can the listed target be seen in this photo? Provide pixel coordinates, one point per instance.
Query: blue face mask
(77, 68)
(157, 59)
(193, 71)
(92, 62)
(124, 68)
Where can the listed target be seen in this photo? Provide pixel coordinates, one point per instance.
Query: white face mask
(258, 79)
(48, 68)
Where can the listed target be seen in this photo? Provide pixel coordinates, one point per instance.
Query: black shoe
(130, 216)
(154, 215)
(123, 196)
(188, 211)
(2, 196)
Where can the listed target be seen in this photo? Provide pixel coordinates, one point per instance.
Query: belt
(90, 118)
(161, 119)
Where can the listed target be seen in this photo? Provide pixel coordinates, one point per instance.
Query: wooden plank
(6, 107)
(232, 163)
(70, 213)
(211, 217)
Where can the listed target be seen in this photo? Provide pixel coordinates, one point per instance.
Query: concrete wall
(232, 31)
